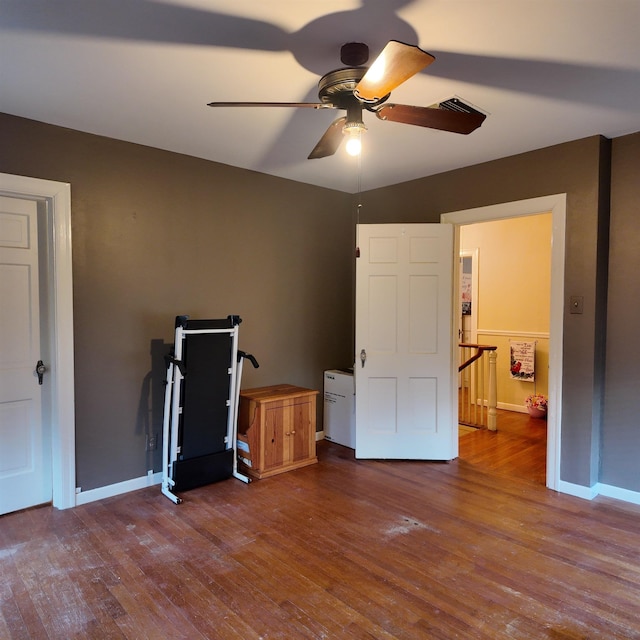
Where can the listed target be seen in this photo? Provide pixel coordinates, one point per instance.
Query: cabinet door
(303, 438)
(275, 443)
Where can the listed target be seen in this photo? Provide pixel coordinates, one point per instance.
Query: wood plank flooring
(342, 549)
(518, 448)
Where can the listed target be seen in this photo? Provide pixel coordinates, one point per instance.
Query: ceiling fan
(356, 87)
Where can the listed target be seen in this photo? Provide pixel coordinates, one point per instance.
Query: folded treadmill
(201, 405)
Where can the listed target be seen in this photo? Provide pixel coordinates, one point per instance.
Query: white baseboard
(520, 408)
(577, 490)
(84, 497)
(619, 494)
(599, 489)
(319, 435)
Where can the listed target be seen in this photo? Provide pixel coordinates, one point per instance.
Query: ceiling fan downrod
(354, 54)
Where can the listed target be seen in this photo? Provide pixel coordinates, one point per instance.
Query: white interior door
(25, 454)
(404, 370)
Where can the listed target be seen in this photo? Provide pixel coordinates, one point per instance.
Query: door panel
(423, 396)
(25, 458)
(404, 350)
(383, 411)
(383, 321)
(423, 314)
(277, 419)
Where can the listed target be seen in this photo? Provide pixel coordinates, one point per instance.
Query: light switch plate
(576, 304)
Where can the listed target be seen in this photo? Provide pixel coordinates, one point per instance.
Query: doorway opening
(505, 280)
(556, 206)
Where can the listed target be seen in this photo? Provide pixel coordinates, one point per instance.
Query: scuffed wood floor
(341, 549)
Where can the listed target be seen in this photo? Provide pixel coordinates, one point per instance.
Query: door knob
(363, 357)
(40, 369)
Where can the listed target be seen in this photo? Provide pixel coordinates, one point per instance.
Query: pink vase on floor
(537, 413)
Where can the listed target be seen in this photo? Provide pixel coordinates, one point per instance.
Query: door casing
(56, 198)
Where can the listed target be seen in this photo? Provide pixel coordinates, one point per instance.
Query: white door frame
(56, 196)
(557, 205)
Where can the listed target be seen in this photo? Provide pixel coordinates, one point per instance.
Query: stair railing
(473, 409)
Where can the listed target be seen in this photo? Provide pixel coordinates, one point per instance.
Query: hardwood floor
(342, 549)
(518, 448)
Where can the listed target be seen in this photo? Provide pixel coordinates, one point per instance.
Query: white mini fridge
(339, 422)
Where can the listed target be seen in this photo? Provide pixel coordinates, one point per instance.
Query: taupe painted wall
(156, 234)
(621, 431)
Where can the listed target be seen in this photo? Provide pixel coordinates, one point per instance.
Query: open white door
(404, 370)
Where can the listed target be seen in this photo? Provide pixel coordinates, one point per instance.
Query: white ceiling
(546, 71)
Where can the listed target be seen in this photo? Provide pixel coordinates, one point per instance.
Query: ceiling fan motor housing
(337, 88)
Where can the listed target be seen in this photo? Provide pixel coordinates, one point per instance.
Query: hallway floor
(517, 449)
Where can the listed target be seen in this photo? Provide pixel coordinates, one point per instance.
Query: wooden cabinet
(276, 429)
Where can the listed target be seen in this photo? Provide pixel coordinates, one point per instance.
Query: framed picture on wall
(522, 361)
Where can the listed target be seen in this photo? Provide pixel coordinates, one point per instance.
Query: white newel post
(493, 392)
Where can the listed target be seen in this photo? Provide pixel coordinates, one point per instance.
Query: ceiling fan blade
(330, 141)
(310, 105)
(397, 63)
(432, 117)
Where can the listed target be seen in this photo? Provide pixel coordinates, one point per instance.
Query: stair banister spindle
(479, 369)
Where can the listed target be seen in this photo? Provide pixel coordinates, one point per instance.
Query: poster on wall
(523, 360)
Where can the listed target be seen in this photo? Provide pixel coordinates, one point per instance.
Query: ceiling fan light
(353, 131)
(354, 144)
